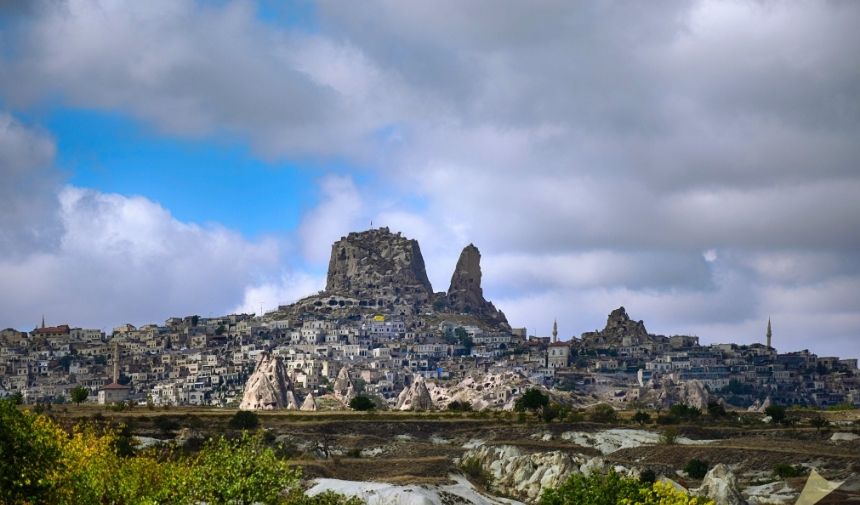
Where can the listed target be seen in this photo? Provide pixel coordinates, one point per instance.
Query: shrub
(697, 468)
(819, 422)
(776, 413)
(664, 493)
(79, 394)
(596, 489)
(716, 410)
(361, 402)
(786, 471)
(244, 420)
(669, 436)
(641, 417)
(457, 406)
(166, 425)
(603, 413)
(473, 469)
(667, 419)
(684, 412)
(647, 476)
(550, 412)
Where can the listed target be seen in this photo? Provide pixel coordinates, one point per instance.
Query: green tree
(776, 413)
(79, 394)
(819, 422)
(641, 417)
(361, 402)
(244, 420)
(30, 449)
(532, 400)
(716, 410)
(697, 468)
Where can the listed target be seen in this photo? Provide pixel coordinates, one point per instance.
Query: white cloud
(339, 211)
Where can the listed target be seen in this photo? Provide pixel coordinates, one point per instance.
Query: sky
(697, 162)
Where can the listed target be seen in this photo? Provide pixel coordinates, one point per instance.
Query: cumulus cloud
(697, 164)
(126, 259)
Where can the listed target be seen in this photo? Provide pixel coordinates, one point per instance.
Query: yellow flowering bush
(664, 493)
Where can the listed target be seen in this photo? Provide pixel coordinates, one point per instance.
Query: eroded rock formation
(415, 396)
(465, 294)
(268, 387)
(344, 389)
(377, 264)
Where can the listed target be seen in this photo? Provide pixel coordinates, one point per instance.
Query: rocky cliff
(465, 295)
(377, 264)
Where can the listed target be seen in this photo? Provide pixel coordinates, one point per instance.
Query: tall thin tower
(554, 331)
(769, 333)
(116, 362)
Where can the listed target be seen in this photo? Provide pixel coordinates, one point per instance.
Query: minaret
(116, 362)
(769, 333)
(554, 331)
(43, 321)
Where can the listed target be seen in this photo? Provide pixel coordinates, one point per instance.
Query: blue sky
(696, 165)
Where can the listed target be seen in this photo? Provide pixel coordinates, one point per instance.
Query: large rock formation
(721, 485)
(465, 294)
(377, 264)
(415, 396)
(344, 390)
(620, 330)
(268, 387)
(310, 403)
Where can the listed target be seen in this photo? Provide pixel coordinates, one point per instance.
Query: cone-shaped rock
(344, 390)
(465, 293)
(415, 397)
(268, 386)
(310, 403)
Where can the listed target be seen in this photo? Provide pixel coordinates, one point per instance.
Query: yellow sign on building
(379, 317)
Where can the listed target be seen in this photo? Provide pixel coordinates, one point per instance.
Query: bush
(696, 468)
(776, 413)
(79, 394)
(550, 412)
(786, 471)
(166, 425)
(716, 410)
(819, 422)
(647, 476)
(457, 406)
(611, 489)
(684, 412)
(43, 464)
(473, 469)
(361, 403)
(641, 417)
(603, 413)
(669, 436)
(244, 420)
(596, 489)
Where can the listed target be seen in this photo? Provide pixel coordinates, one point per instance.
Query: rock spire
(268, 387)
(465, 294)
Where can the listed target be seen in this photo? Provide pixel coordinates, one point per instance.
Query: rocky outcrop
(415, 396)
(310, 403)
(721, 485)
(268, 387)
(377, 265)
(482, 391)
(619, 330)
(344, 390)
(526, 476)
(465, 294)
(693, 394)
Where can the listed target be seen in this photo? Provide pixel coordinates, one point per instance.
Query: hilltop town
(378, 329)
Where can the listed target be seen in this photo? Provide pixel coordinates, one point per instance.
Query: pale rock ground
(380, 493)
(609, 441)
